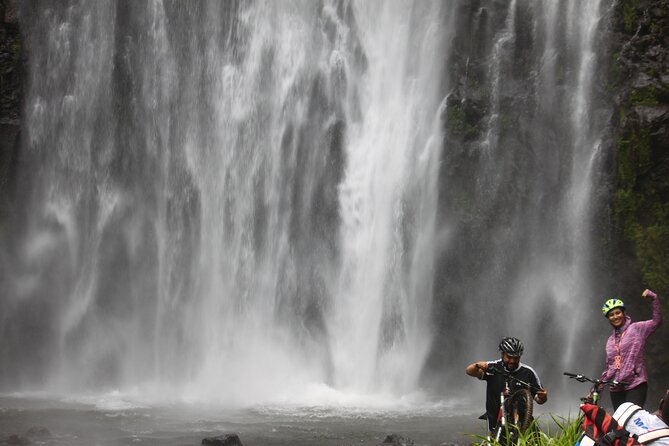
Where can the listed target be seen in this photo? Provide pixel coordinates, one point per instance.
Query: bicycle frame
(501, 414)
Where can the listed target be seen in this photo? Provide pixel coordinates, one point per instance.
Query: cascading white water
(380, 329)
(234, 197)
(554, 267)
(564, 273)
(519, 196)
(296, 201)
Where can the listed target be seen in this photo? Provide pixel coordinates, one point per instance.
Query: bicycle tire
(519, 407)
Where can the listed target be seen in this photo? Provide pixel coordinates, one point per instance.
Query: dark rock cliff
(640, 203)
(11, 100)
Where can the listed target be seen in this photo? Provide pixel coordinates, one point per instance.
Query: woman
(625, 347)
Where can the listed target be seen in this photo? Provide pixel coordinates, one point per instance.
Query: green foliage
(640, 209)
(644, 96)
(565, 433)
(633, 156)
(652, 246)
(16, 49)
(629, 15)
(457, 123)
(507, 122)
(655, 28)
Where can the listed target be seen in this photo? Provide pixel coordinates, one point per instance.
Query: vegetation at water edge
(562, 432)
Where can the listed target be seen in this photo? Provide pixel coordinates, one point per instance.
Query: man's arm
(477, 369)
(541, 396)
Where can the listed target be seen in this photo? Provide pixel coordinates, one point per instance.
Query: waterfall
(380, 326)
(252, 202)
(232, 199)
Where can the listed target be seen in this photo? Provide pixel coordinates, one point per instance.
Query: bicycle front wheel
(520, 407)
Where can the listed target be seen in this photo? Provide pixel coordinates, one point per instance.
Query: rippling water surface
(112, 420)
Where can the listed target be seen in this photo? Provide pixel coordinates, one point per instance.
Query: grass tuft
(566, 432)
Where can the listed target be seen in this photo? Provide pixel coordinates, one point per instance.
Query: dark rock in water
(38, 432)
(223, 440)
(398, 440)
(16, 439)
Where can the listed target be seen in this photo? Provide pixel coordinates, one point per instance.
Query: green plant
(633, 156)
(15, 49)
(639, 207)
(629, 15)
(644, 96)
(457, 123)
(568, 431)
(565, 432)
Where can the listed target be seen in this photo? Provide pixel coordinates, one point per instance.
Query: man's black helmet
(511, 346)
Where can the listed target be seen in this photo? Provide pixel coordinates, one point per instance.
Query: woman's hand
(648, 294)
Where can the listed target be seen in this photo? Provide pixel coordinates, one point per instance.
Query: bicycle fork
(501, 418)
(595, 396)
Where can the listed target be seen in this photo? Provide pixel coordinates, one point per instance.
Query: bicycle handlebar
(582, 378)
(510, 377)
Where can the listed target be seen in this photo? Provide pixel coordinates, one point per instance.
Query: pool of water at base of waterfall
(69, 422)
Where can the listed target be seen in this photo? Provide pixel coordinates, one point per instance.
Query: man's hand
(541, 396)
(477, 369)
(481, 367)
(497, 368)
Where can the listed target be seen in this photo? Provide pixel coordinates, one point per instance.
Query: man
(642, 422)
(511, 350)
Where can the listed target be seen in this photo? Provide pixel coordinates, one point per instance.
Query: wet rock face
(11, 99)
(641, 185)
(11, 72)
(641, 30)
(9, 11)
(642, 35)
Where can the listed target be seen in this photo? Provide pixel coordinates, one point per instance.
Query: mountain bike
(515, 410)
(591, 398)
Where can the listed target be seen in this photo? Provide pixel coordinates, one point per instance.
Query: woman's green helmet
(611, 304)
